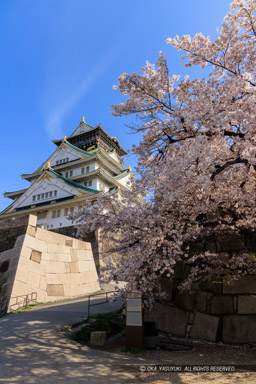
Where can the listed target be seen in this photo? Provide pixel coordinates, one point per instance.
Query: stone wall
(92, 238)
(10, 249)
(215, 312)
(100, 245)
(52, 265)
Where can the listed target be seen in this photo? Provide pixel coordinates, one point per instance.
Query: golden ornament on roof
(64, 139)
(48, 165)
(128, 166)
(82, 121)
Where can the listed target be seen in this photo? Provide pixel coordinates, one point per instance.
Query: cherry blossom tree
(196, 160)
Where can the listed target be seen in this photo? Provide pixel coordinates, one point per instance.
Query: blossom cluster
(196, 161)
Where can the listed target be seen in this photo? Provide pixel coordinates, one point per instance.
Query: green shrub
(111, 323)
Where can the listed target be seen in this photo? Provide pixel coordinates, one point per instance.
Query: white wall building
(86, 163)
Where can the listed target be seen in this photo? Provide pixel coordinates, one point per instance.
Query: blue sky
(60, 59)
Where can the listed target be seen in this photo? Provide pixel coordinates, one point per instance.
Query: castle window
(68, 211)
(88, 183)
(88, 168)
(56, 214)
(66, 174)
(43, 196)
(70, 173)
(82, 170)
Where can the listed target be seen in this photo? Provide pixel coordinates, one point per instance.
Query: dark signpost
(134, 320)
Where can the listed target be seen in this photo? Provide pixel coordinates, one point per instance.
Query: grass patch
(112, 323)
(23, 309)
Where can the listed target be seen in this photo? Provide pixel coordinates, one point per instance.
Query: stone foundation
(215, 312)
(35, 260)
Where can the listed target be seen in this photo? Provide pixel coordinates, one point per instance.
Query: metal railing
(22, 301)
(98, 294)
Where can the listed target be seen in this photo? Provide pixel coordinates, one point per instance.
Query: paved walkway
(34, 351)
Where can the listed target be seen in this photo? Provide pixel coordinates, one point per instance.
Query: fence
(98, 294)
(22, 301)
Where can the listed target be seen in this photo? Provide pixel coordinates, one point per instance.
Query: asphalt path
(33, 350)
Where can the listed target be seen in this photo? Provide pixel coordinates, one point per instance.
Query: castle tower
(86, 163)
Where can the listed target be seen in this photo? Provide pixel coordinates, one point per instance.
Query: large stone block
(36, 256)
(170, 319)
(232, 243)
(45, 256)
(67, 267)
(247, 305)
(201, 301)
(31, 231)
(89, 277)
(70, 278)
(55, 267)
(33, 243)
(239, 329)
(205, 327)
(209, 286)
(43, 283)
(221, 305)
(98, 339)
(62, 257)
(83, 266)
(22, 273)
(55, 290)
(26, 252)
(91, 266)
(20, 288)
(52, 278)
(57, 248)
(81, 255)
(93, 287)
(50, 237)
(246, 285)
(33, 279)
(72, 290)
(74, 267)
(32, 220)
(185, 300)
(69, 242)
(84, 245)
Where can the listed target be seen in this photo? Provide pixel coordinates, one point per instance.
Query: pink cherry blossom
(196, 162)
